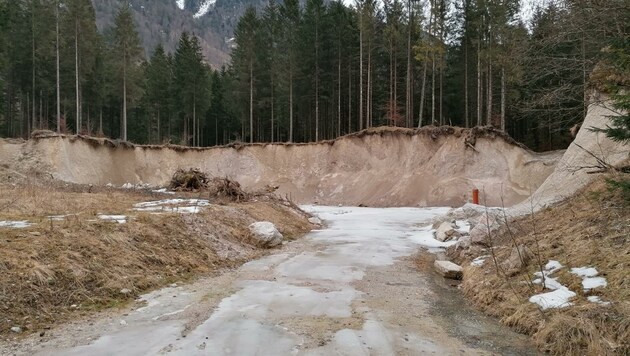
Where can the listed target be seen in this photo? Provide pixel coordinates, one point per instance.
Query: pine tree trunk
(349, 97)
(361, 71)
(76, 74)
(32, 116)
(368, 123)
(251, 101)
(466, 122)
(124, 128)
(433, 88)
(479, 96)
(316, 84)
(291, 104)
(272, 113)
(503, 98)
(408, 105)
(58, 76)
(489, 108)
(339, 91)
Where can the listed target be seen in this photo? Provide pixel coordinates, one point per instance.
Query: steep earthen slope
(382, 167)
(573, 171)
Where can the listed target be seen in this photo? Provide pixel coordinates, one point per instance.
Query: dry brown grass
(57, 270)
(591, 229)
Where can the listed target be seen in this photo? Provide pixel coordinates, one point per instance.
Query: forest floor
(582, 247)
(68, 251)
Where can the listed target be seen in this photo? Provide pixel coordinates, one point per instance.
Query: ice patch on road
(22, 224)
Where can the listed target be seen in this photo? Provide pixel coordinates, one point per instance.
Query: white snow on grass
(204, 8)
(585, 271)
(589, 278)
(181, 4)
(121, 219)
(597, 300)
(594, 282)
(15, 224)
(552, 266)
(479, 261)
(182, 206)
(560, 296)
(163, 191)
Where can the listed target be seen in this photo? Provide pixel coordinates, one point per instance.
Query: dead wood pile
(189, 180)
(226, 188)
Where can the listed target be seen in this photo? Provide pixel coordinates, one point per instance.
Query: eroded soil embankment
(379, 167)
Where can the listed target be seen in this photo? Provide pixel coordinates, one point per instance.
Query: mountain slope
(163, 21)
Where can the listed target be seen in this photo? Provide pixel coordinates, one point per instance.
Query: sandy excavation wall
(574, 170)
(384, 167)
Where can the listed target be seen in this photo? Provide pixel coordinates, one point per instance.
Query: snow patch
(585, 271)
(589, 278)
(182, 206)
(560, 296)
(15, 224)
(204, 8)
(181, 4)
(121, 219)
(463, 226)
(163, 191)
(479, 261)
(597, 300)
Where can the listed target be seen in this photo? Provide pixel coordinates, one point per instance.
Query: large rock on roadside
(487, 224)
(446, 231)
(448, 269)
(518, 260)
(265, 234)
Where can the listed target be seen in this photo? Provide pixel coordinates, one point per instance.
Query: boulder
(314, 220)
(448, 269)
(519, 259)
(463, 243)
(479, 233)
(265, 234)
(446, 231)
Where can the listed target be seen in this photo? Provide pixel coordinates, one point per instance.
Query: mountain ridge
(163, 22)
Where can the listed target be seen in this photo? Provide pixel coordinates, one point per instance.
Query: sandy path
(348, 289)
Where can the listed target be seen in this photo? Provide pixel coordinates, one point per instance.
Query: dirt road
(348, 289)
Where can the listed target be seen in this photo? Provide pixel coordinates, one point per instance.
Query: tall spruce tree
(127, 59)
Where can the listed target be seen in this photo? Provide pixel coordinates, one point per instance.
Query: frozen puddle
(293, 303)
(182, 206)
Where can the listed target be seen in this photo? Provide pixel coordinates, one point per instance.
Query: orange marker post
(475, 196)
